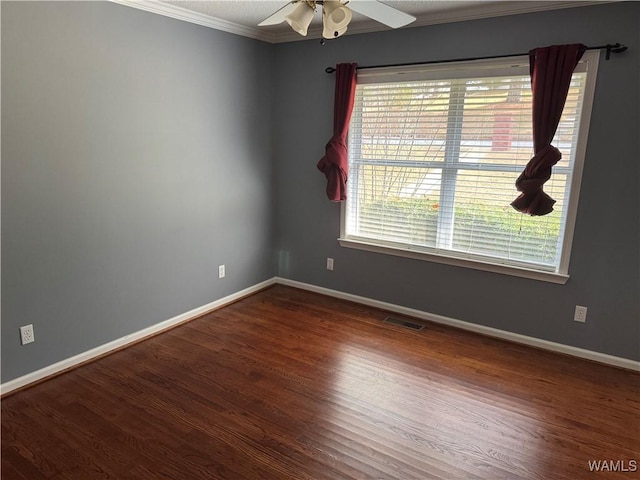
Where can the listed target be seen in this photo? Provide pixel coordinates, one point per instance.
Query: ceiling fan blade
(280, 15)
(381, 13)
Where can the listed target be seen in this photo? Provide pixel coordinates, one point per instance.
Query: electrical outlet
(329, 263)
(26, 334)
(221, 271)
(581, 314)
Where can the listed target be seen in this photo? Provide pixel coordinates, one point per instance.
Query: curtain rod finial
(330, 70)
(615, 48)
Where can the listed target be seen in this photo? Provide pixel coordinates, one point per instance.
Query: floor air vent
(404, 323)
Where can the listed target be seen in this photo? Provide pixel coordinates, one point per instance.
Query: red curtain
(335, 163)
(551, 69)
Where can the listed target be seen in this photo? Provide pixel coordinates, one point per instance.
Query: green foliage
(523, 236)
(513, 234)
(420, 213)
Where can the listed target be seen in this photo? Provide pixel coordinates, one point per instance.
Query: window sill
(551, 277)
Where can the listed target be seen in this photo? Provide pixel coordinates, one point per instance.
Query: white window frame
(588, 63)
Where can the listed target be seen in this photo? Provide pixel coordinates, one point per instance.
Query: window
(434, 152)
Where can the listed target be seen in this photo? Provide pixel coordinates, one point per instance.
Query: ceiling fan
(336, 15)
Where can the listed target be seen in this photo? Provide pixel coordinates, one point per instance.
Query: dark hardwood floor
(288, 384)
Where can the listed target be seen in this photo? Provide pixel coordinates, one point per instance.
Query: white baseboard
(128, 339)
(489, 331)
(190, 315)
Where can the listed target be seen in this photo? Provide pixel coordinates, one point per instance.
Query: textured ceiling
(242, 16)
(250, 13)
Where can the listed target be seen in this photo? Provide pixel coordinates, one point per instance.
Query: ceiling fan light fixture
(329, 34)
(335, 16)
(300, 18)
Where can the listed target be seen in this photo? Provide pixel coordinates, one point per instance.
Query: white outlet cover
(580, 314)
(26, 334)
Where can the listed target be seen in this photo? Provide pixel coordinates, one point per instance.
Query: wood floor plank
(288, 384)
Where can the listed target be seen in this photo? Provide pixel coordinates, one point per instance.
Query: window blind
(433, 163)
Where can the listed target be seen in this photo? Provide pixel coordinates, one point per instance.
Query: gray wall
(605, 259)
(136, 158)
(140, 152)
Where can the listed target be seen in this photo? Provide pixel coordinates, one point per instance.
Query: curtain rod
(610, 48)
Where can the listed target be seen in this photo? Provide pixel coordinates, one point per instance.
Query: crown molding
(483, 10)
(197, 18)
